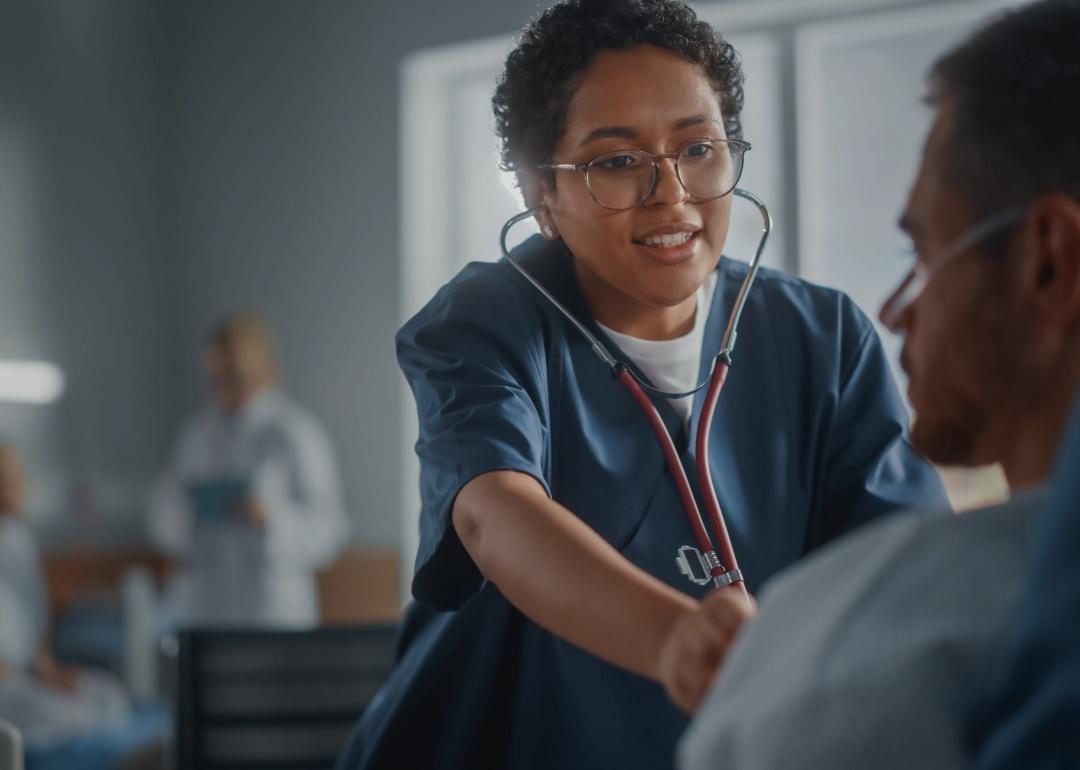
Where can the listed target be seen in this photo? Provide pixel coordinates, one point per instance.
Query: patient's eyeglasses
(624, 179)
(920, 275)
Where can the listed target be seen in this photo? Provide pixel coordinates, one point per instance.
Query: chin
(673, 288)
(944, 441)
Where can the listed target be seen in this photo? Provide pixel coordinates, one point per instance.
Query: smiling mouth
(669, 248)
(667, 241)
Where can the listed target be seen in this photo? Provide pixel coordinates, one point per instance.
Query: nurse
(553, 628)
(250, 503)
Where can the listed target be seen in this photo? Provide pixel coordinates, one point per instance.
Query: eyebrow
(625, 132)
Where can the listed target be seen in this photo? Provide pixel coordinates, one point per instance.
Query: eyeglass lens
(625, 179)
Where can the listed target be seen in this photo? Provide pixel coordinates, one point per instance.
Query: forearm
(563, 575)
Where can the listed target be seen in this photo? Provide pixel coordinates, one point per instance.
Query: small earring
(549, 231)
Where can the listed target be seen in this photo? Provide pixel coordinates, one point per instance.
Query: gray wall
(285, 139)
(81, 262)
(164, 162)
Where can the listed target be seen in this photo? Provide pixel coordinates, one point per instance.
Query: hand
(50, 673)
(253, 511)
(697, 643)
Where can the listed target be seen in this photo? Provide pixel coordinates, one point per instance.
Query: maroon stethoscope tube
(724, 549)
(719, 561)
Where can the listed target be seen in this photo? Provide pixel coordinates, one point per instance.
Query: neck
(628, 316)
(245, 401)
(1029, 444)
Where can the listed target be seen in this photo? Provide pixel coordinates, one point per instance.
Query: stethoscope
(716, 564)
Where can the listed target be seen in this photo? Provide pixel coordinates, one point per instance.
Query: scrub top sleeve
(872, 467)
(475, 364)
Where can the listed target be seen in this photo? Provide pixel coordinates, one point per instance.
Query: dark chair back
(272, 699)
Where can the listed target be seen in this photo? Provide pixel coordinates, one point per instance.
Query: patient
(879, 652)
(50, 703)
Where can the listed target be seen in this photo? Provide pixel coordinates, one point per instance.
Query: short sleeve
(872, 467)
(474, 360)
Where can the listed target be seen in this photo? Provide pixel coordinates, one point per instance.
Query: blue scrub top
(808, 442)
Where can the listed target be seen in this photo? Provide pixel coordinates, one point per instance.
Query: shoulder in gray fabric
(874, 652)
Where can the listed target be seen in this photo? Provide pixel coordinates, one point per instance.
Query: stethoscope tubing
(720, 559)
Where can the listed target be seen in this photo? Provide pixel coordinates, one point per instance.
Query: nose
(668, 189)
(896, 309)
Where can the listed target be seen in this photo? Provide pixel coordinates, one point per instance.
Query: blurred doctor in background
(250, 503)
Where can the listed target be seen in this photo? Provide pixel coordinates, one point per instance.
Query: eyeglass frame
(915, 281)
(741, 145)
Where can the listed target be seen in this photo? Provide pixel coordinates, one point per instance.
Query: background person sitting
(68, 717)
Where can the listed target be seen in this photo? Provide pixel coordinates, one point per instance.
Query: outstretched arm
(568, 579)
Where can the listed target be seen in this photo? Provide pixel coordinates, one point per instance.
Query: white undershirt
(672, 365)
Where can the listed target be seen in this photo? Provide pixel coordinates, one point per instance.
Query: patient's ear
(538, 193)
(1053, 277)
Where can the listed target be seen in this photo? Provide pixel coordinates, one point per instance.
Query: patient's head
(239, 360)
(992, 339)
(12, 482)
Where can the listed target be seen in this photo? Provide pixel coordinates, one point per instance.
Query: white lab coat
(236, 572)
(42, 714)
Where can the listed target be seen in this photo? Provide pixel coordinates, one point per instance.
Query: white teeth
(675, 239)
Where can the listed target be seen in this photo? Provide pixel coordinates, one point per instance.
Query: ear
(538, 194)
(1053, 276)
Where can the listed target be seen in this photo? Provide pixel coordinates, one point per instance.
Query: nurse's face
(957, 330)
(650, 99)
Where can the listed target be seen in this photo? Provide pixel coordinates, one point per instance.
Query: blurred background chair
(274, 699)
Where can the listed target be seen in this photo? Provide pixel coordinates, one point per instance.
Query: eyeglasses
(915, 282)
(707, 169)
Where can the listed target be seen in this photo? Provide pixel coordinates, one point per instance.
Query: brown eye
(699, 150)
(616, 162)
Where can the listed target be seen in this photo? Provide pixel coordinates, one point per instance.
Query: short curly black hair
(534, 92)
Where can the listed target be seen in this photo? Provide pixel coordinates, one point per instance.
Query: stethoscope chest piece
(696, 569)
(699, 568)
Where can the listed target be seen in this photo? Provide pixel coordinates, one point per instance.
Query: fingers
(729, 607)
(698, 643)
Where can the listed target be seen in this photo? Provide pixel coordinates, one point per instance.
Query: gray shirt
(874, 652)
